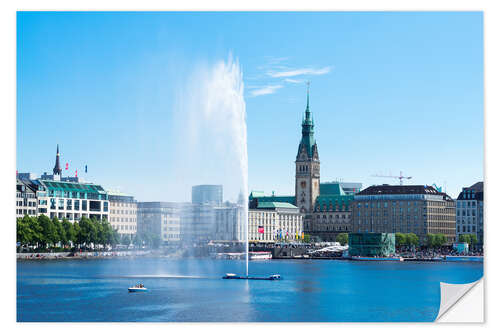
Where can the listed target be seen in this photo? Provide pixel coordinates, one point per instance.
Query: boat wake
(164, 276)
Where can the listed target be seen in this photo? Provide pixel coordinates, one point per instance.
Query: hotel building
(270, 222)
(414, 209)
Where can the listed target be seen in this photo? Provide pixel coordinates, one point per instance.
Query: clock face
(303, 184)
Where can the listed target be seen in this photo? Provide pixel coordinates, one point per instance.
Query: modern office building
(274, 221)
(159, 218)
(122, 212)
(469, 212)
(417, 209)
(26, 200)
(207, 194)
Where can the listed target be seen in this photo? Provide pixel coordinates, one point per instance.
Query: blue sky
(389, 92)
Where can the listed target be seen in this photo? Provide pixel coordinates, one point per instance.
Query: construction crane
(400, 177)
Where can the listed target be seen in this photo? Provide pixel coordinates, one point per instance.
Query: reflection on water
(193, 290)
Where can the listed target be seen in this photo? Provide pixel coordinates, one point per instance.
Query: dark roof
(474, 192)
(28, 185)
(399, 189)
(477, 187)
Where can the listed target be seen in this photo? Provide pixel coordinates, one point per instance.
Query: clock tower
(307, 165)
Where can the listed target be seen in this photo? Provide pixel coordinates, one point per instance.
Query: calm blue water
(192, 290)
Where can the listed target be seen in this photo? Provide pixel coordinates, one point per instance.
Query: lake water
(192, 290)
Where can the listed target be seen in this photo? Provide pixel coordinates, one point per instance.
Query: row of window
(26, 211)
(127, 227)
(122, 204)
(123, 219)
(75, 205)
(29, 204)
(123, 211)
(467, 212)
(466, 228)
(25, 195)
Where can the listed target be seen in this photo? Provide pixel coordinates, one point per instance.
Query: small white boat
(262, 255)
(137, 288)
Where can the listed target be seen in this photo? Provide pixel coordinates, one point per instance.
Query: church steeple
(57, 168)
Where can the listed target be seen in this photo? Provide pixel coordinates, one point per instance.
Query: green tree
(78, 238)
(86, 232)
(137, 239)
(440, 240)
(464, 238)
(94, 237)
(473, 239)
(412, 239)
(69, 231)
(49, 232)
(61, 233)
(431, 240)
(307, 238)
(125, 239)
(101, 236)
(24, 233)
(36, 231)
(342, 238)
(400, 239)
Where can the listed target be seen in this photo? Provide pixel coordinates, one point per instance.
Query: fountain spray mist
(212, 106)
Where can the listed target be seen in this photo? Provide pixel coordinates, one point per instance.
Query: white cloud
(301, 71)
(267, 90)
(293, 80)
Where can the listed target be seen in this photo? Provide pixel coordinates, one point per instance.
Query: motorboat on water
(232, 276)
(137, 288)
(260, 255)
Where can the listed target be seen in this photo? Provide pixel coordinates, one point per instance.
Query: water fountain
(214, 108)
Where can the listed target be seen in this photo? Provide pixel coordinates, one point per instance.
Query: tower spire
(308, 84)
(57, 168)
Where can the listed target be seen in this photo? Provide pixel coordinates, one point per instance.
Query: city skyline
(83, 86)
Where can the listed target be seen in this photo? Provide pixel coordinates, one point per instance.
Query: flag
(67, 165)
(261, 229)
(85, 168)
(76, 173)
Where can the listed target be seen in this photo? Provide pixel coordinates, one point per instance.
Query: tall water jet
(212, 106)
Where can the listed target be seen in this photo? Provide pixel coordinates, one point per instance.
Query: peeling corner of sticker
(453, 295)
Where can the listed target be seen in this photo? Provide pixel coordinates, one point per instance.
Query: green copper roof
(336, 201)
(256, 194)
(72, 187)
(331, 189)
(261, 197)
(275, 205)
